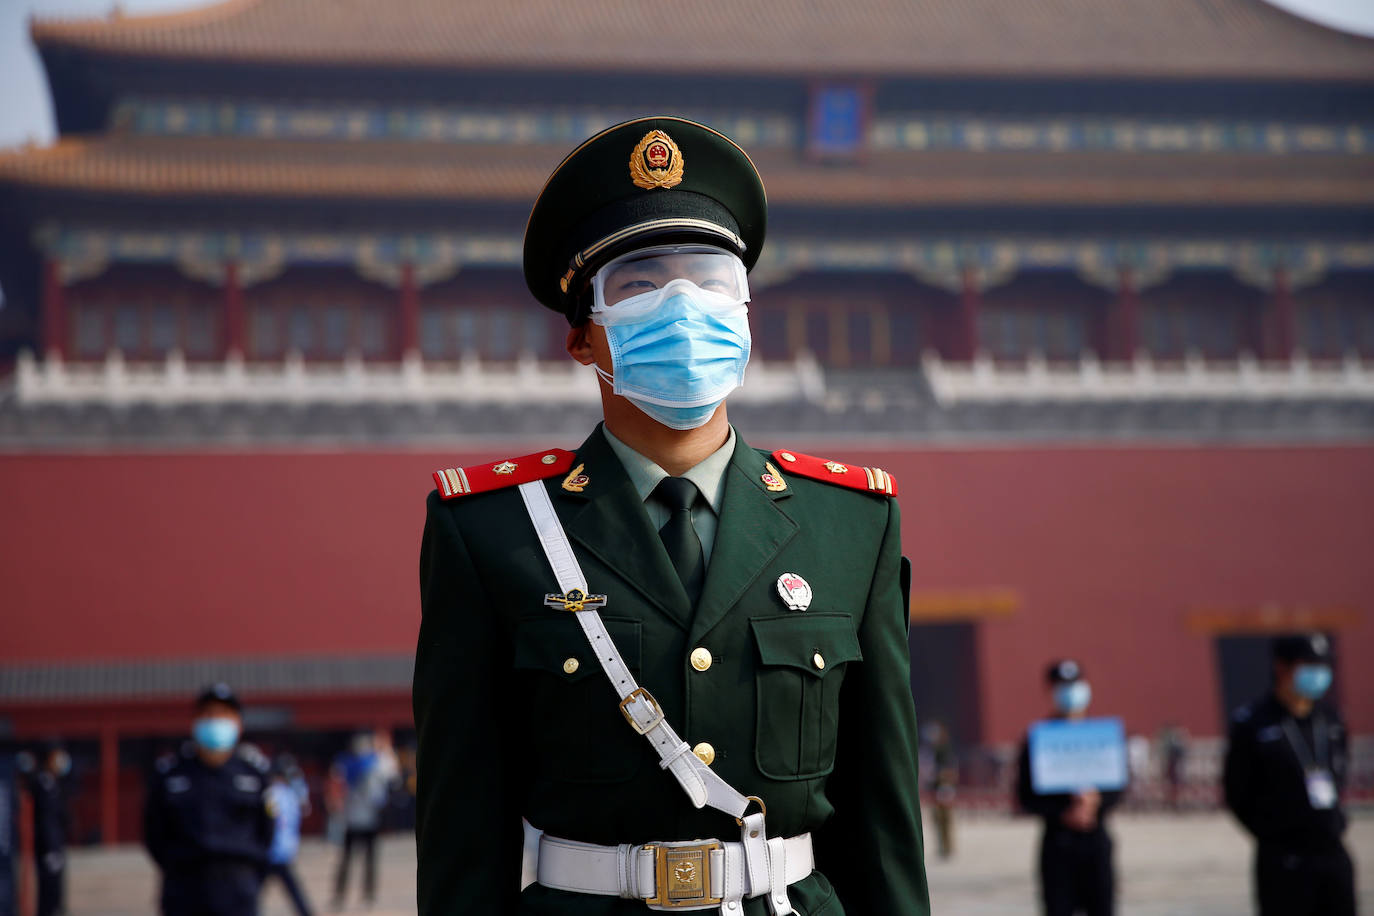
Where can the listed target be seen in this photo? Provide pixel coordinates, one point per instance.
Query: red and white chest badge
(794, 591)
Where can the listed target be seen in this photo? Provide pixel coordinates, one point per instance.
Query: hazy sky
(25, 110)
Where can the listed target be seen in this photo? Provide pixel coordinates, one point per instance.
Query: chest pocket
(802, 661)
(572, 714)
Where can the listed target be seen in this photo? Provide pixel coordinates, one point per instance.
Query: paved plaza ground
(1185, 865)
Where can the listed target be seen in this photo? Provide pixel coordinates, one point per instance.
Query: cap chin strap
(702, 785)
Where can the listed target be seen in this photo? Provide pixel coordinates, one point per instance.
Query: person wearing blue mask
(681, 660)
(208, 820)
(289, 800)
(1076, 872)
(1284, 775)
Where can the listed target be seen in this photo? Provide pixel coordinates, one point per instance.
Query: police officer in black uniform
(50, 828)
(1075, 850)
(1285, 771)
(207, 823)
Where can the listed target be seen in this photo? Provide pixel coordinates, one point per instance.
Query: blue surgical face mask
(1073, 696)
(1312, 681)
(215, 733)
(678, 360)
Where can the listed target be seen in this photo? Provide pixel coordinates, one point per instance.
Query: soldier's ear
(579, 343)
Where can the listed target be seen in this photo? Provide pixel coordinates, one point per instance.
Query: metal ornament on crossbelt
(702, 784)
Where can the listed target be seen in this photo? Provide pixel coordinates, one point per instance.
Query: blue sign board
(1069, 755)
(837, 121)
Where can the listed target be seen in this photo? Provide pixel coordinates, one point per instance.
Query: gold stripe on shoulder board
(879, 480)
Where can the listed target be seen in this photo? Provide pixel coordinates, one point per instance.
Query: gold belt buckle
(682, 875)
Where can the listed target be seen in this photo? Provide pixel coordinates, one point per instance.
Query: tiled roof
(1152, 38)
(187, 166)
(58, 682)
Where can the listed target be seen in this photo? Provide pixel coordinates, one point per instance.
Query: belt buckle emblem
(682, 875)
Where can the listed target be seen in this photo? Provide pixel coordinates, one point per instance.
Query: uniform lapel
(608, 519)
(753, 529)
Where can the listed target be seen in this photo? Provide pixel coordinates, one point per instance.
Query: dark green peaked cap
(629, 187)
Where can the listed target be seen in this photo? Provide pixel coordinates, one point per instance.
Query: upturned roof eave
(857, 71)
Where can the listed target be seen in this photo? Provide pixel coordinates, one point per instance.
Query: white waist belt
(694, 875)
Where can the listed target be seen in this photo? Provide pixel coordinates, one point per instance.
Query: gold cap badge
(656, 162)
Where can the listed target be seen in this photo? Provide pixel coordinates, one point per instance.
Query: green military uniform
(807, 709)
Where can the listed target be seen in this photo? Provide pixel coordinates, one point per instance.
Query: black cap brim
(1297, 647)
(1064, 671)
(591, 210)
(218, 693)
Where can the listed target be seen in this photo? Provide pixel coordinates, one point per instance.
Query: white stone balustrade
(353, 381)
(1142, 379)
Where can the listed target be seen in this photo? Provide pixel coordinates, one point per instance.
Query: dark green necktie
(678, 534)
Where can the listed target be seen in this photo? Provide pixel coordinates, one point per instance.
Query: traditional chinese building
(279, 224)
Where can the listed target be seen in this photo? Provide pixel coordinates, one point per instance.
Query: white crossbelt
(702, 785)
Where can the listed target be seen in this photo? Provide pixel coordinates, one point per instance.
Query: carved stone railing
(1192, 378)
(412, 380)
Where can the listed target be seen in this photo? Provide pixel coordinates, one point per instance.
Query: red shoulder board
(497, 475)
(856, 477)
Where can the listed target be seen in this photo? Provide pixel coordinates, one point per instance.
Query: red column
(1285, 320)
(54, 309)
(1127, 317)
(410, 311)
(967, 325)
(233, 309)
(109, 786)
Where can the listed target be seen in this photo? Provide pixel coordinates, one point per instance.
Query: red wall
(169, 554)
(1111, 548)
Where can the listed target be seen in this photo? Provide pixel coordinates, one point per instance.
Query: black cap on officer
(218, 692)
(1064, 671)
(651, 181)
(1302, 647)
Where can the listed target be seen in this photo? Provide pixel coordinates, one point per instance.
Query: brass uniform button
(705, 753)
(570, 666)
(818, 661)
(701, 659)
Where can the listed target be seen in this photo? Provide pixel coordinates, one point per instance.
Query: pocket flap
(547, 644)
(814, 643)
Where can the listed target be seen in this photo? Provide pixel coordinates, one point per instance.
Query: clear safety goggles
(633, 279)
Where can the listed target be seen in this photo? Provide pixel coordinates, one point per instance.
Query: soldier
(1284, 774)
(682, 659)
(207, 823)
(1075, 849)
